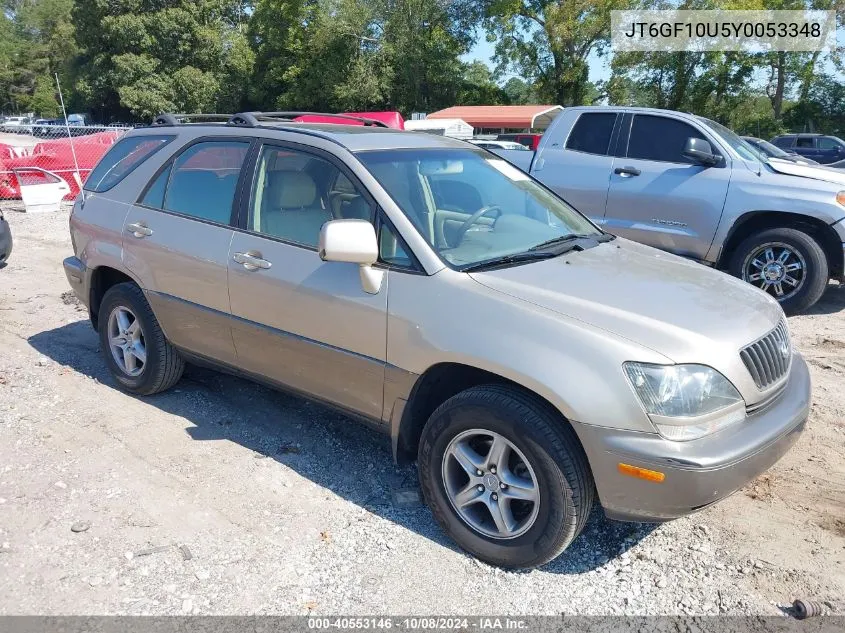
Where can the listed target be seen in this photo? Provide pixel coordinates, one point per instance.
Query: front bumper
(700, 472)
(78, 278)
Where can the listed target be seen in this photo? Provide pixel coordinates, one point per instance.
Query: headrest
(291, 189)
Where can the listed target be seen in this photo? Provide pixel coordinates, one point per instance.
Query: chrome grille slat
(763, 358)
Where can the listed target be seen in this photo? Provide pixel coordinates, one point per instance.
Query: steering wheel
(463, 228)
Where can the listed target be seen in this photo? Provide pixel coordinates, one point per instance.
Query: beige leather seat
(291, 208)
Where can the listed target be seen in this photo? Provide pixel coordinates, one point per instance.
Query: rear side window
(592, 133)
(121, 159)
(805, 142)
(660, 138)
(201, 182)
(783, 142)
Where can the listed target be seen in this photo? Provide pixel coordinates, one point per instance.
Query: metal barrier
(50, 148)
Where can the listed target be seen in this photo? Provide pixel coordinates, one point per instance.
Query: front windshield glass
(730, 137)
(471, 206)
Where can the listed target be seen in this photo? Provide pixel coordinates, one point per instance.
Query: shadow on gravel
(831, 302)
(330, 449)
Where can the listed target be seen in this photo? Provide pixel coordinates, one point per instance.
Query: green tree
(548, 42)
(478, 87)
(142, 57)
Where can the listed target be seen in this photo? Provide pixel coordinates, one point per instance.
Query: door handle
(251, 261)
(139, 230)
(627, 172)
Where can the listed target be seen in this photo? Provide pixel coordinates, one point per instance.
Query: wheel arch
(432, 388)
(102, 278)
(754, 221)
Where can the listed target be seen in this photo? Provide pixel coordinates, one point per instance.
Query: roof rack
(178, 119)
(255, 119)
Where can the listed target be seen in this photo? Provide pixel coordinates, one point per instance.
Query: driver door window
(295, 193)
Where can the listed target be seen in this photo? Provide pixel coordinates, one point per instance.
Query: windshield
(745, 150)
(471, 206)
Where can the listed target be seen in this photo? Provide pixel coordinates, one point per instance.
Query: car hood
(816, 172)
(680, 309)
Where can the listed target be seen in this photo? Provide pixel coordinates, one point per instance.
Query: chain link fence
(50, 153)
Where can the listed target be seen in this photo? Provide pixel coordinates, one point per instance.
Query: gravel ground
(222, 496)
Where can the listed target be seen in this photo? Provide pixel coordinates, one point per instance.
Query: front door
(176, 243)
(658, 197)
(300, 321)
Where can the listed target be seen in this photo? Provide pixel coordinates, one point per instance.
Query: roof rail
(178, 119)
(251, 119)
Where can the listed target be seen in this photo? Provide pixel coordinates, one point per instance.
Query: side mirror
(700, 152)
(353, 242)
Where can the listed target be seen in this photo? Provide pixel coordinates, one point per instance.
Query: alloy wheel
(776, 268)
(126, 341)
(490, 484)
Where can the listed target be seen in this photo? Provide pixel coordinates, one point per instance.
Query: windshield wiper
(572, 237)
(517, 258)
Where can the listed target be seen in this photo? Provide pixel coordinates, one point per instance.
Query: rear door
(657, 196)
(806, 146)
(300, 321)
(578, 168)
(176, 243)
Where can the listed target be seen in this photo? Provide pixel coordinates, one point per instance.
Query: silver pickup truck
(688, 185)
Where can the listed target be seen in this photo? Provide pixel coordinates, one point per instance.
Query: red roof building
(521, 117)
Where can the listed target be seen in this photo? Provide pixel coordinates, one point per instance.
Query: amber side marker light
(641, 473)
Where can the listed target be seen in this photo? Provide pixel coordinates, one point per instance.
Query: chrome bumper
(700, 472)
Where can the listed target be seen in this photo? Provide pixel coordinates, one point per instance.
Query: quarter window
(660, 138)
(201, 182)
(121, 159)
(592, 133)
(295, 193)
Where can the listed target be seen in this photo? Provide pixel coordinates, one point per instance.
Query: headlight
(685, 402)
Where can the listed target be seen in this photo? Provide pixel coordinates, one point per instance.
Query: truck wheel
(787, 263)
(133, 344)
(505, 477)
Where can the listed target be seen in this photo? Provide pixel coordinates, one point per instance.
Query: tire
(163, 365)
(806, 251)
(554, 460)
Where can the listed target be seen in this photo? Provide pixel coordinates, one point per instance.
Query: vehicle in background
(531, 141)
(492, 144)
(47, 128)
(773, 151)
(16, 125)
(690, 186)
(531, 362)
(821, 148)
(390, 118)
(5, 240)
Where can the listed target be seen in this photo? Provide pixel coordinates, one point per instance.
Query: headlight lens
(685, 402)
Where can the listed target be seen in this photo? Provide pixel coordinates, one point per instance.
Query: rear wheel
(788, 264)
(505, 476)
(133, 343)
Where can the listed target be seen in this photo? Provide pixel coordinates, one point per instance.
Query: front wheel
(505, 476)
(788, 264)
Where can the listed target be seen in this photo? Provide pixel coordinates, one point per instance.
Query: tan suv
(532, 363)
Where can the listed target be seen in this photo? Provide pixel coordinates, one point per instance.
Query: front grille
(768, 359)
